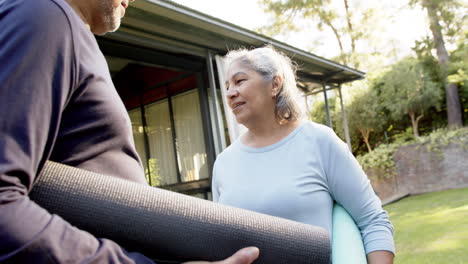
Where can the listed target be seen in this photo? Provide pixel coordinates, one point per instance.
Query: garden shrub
(381, 158)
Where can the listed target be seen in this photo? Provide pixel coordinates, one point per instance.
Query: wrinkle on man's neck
(81, 12)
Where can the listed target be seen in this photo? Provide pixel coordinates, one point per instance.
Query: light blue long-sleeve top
(299, 178)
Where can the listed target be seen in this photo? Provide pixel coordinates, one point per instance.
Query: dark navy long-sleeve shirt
(57, 102)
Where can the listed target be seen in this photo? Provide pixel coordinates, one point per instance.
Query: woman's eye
(240, 80)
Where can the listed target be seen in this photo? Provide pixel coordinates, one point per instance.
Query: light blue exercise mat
(347, 246)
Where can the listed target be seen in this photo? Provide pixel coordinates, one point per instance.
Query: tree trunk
(350, 27)
(365, 135)
(338, 38)
(353, 62)
(327, 21)
(454, 115)
(453, 106)
(415, 122)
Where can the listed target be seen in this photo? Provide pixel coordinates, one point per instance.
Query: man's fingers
(243, 256)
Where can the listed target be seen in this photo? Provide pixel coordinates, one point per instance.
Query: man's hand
(243, 256)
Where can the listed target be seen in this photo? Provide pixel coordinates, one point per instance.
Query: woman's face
(249, 95)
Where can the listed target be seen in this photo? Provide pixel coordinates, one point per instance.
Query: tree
(458, 72)
(406, 90)
(365, 115)
(286, 11)
(338, 19)
(440, 12)
(318, 113)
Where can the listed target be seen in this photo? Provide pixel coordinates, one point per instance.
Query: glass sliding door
(139, 137)
(167, 157)
(160, 141)
(192, 156)
(170, 114)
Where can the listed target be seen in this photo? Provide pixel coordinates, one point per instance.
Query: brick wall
(420, 170)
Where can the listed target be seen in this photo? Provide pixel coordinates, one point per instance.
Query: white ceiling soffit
(169, 26)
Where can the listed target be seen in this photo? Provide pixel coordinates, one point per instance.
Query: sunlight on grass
(431, 228)
(446, 243)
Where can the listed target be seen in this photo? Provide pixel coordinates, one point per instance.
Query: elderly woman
(288, 167)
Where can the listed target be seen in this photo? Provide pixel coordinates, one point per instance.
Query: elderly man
(58, 103)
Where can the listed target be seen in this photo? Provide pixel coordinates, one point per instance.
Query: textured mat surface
(169, 226)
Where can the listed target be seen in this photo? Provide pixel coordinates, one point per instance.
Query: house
(166, 63)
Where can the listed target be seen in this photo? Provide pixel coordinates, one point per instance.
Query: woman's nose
(231, 92)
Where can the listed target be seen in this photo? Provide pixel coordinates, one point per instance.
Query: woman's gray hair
(270, 63)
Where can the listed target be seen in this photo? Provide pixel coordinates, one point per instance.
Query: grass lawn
(431, 228)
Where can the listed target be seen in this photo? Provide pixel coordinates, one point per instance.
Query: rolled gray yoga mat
(171, 227)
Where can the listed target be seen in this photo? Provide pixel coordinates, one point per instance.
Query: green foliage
(350, 25)
(375, 108)
(381, 158)
(286, 12)
(319, 11)
(458, 73)
(428, 62)
(407, 88)
(458, 78)
(403, 137)
(459, 59)
(446, 22)
(365, 114)
(318, 113)
(365, 111)
(417, 84)
(153, 172)
(443, 137)
(459, 64)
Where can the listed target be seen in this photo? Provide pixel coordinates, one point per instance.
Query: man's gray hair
(270, 63)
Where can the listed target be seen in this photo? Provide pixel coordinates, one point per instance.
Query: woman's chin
(240, 119)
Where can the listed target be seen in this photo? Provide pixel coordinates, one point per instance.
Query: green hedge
(381, 158)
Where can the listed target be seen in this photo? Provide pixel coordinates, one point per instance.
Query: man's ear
(277, 84)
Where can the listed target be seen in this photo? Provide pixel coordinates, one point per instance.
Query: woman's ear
(277, 84)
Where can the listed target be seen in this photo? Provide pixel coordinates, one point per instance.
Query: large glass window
(176, 145)
(161, 150)
(139, 137)
(170, 122)
(190, 141)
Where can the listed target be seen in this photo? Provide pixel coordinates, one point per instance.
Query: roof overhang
(167, 26)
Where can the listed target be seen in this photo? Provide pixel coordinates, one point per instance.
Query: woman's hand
(380, 257)
(243, 256)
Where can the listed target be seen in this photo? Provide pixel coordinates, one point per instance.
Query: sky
(401, 29)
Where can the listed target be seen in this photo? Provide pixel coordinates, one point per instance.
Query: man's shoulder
(44, 26)
(37, 15)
